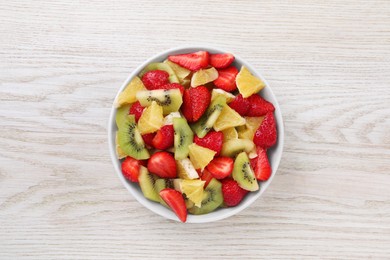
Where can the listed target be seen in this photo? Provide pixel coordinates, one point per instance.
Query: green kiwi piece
(212, 198)
(161, 184)
(122, 114)
(161, 66)
(243, 173)
(183, 137)
(170, 99)
(147, 184)
(233, 147)
(206, 122)
(130, 140)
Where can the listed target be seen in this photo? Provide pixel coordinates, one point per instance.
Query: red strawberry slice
(265, 135)
(136, 109)
(130, 169)
(227, 79)
(206, 176)
(240, 104)
(148, 139)
(195, 102)
(259, 106)
(154, 79)
(192, 61)
(232, 192)
(220, 167)
(163, 165)
(212, 140)
(164, 138)
(176, 202)
(221, 60)
(173, 86)
(261, 165)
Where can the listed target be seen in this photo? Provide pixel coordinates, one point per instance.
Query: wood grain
(61, 63)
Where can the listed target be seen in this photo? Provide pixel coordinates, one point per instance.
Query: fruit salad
(193, 132)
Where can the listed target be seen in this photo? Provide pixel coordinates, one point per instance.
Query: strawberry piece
(206, 176)
(261, 165)
(176, 202)
(173, 86)
(220, 167)
(266, 135)
(130, 169)
(163, 165)
(154, 79)
(232, 192)
(259, 106)
(164, 138)
(212, 140)
(240, 105)
(192, 61)
(148, 139)
(221, 60)
(227, 79)
(195, 102)
(136, 109)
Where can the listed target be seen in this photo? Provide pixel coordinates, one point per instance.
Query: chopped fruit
(265, 135)
(162, 67)
(212, 198)
(247, 83)
(170, 99)
(240, 105)
(136, 109)
(220, 167)
(168, 120)
(161, 184)
(163, 165)
(221, 60)
(204, 76)
(119, 152)
(243, 173)
(261, 165)
(151, 119)
(235, 146)
(251, 125)
(130, 169)
(259, 106)
(228, 118)
(220, 92)
(212, 140)
(185, 169)
(196, 101)
(192, 61)
(148, 139)
(183, 137)
(227, 79)
(173, 86)
(193, 189)
(206, 176)
(146, 182)
(200, 156)
(232, 192)
(164, 138)
(180, 72)
(128, 95)
(154, 79)
(229, 133)
(176, 202)
(122, 115)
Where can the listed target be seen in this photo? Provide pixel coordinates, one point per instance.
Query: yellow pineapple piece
(220, 92)
(200, 156)
(180, 72)
(151, 120)
(248, 84)
(127, 96)
(251, 125)
(193, 189)
(228, 118)
(229, 133)
(204, 76)
(185, 169)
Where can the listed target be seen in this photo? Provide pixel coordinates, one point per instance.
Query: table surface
(62, 62)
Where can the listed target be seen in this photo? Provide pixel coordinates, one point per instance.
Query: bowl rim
(154, 206)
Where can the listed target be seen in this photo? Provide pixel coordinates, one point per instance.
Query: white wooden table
(62, 62)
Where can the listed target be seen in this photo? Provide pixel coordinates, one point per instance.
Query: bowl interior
(274, 153)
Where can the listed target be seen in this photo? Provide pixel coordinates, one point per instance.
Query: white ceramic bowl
(274, 153)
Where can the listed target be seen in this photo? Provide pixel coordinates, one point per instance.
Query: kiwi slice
(243, 173)
(183, 137)
(206, 122)
(161, 184)
(130, 140)
(122, 114)
(170, 99)
(147, 182)
(212, 198)
(233, 147)
(161, 66)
